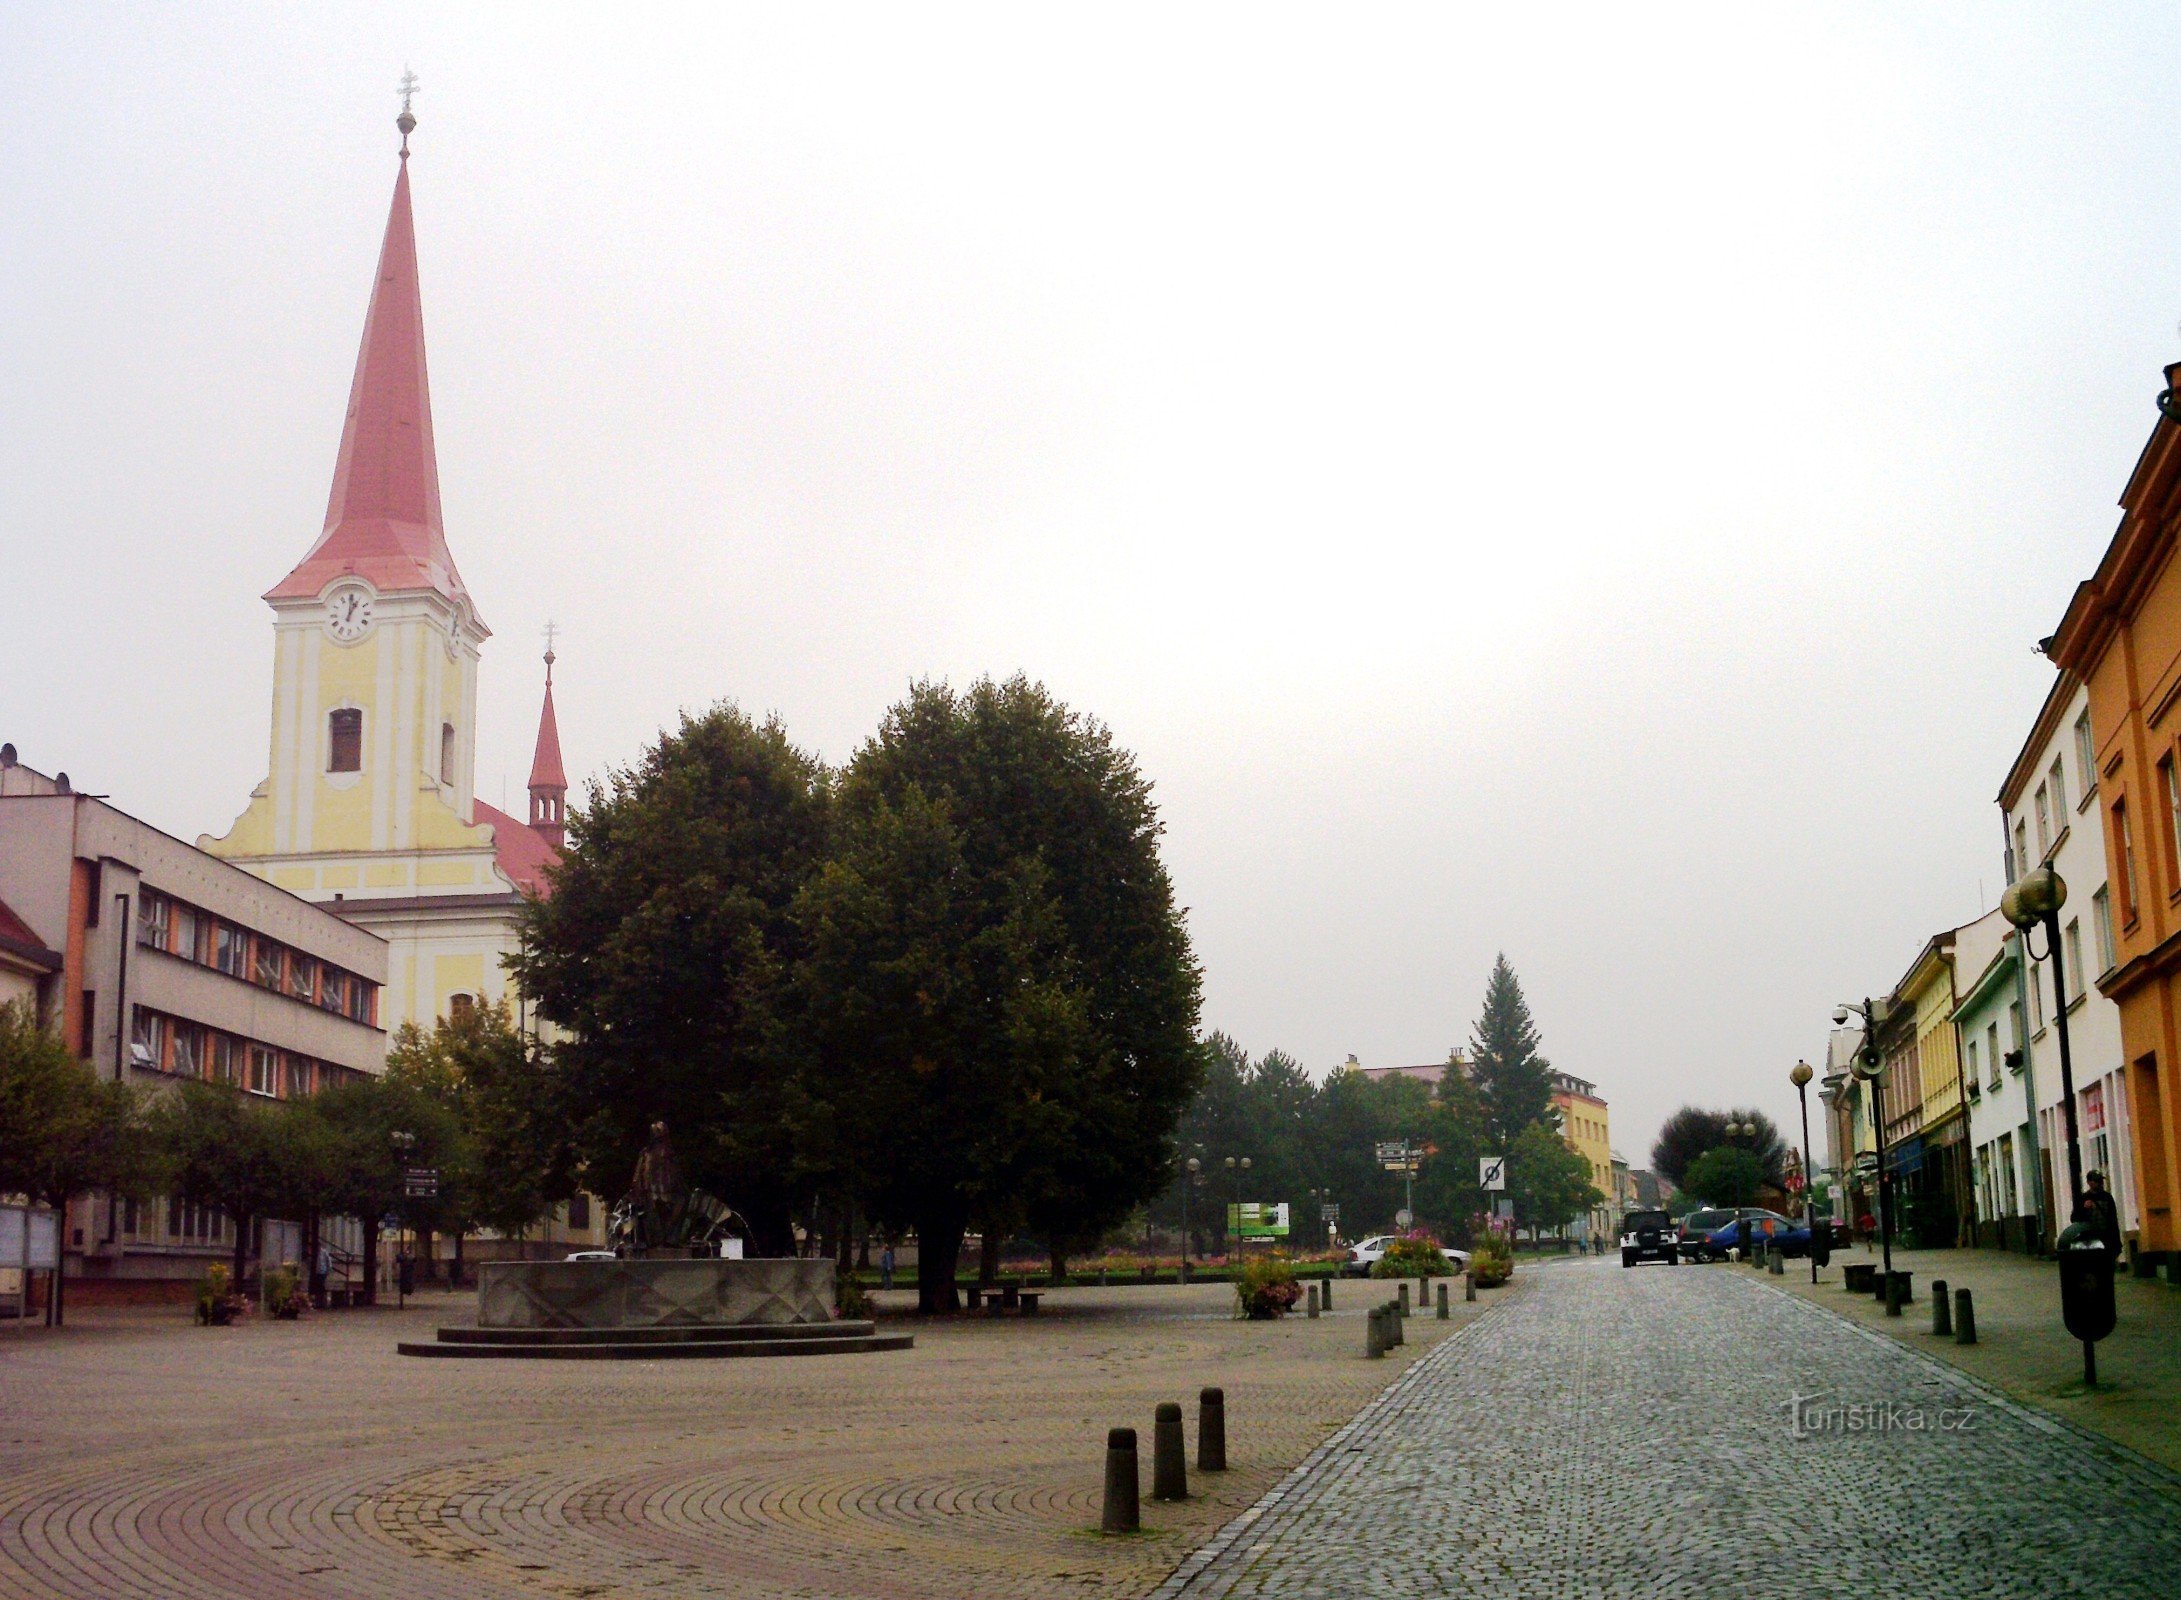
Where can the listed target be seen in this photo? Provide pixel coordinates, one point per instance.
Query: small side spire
(548, 781)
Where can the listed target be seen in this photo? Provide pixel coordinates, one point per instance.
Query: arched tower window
(460, 1005)
(446, 752)
(344, 740)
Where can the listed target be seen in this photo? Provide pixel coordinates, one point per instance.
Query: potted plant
(1267, 1290)
(284, 1296)
(217, 1302)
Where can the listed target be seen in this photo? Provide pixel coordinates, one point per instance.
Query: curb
(1199, 1563)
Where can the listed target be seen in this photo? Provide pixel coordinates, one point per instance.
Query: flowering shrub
(1267, 1289)
(1417, 1256)
(284, 1296)
(1491, 1263)
(851, 1300)
(217, 1302)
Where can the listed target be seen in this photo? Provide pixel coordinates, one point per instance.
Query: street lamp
(1800, 1075)
(2035, 897)
(1236, 1171)
(1190, 1179)
(403, 1143)
(1868, 1065)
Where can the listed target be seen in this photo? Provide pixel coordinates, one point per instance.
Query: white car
(590, 1255)
(1365, 1254)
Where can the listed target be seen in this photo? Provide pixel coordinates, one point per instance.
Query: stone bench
(1030, 1298)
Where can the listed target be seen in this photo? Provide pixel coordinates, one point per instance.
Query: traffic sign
(1403, 1217)
(1867, 1162)
(420, 1183)
(1329, 1212)
(1492, 1172)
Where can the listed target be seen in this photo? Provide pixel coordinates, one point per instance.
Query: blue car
(1756, 1229)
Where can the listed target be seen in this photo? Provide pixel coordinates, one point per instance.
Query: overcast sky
(1585, 484)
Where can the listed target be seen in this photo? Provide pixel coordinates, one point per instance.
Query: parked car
(1765, 1227)
(1365, 1254)
(1696, 1231)
(1649, 1236)
(590, 1255)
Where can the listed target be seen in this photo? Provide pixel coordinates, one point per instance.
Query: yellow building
(369, 797)
(1583, 1123)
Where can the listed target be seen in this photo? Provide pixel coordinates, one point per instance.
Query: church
(369, 804)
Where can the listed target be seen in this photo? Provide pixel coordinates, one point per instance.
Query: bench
(972, 1299)
(1030, 1298)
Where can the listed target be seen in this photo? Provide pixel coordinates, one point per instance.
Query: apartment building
(164, 963)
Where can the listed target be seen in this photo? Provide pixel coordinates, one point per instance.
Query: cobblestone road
(1617, 1433)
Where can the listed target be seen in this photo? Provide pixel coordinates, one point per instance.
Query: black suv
(1649, 1236)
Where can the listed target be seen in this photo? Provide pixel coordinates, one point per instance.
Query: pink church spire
(548, 782)
(382, 519)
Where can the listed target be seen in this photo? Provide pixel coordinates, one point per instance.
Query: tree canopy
(1724, 1176)
(1514, 1081)
(1693, 1130)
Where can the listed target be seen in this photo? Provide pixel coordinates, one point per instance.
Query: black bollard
(1942, 1309)
(1443, 1312)
(1313, 1300)
(1121, 1514)
(1404, 1299)
(1469, 1286)
(1893, 1294)
(1169, 1458)
(1965, 1318)
(1374, 1332)
(1325, 1294)
(1423, 1292)
(1212, 1430)
(1397, 1318)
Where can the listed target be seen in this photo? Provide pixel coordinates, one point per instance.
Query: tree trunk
(428, 1254)
(241, 1219)
(371, 1261)
(454, 1276)
(938, 1254)
(1060, 1265)
(988, 1259)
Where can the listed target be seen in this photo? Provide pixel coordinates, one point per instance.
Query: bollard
(1211, 1430)
(1423, 1293)
(1778, 1262)
(1325, 1294)
(1397, 1319)
(1469, 1286)
(1121, 1514)
(1942, 1309)
(1169, 1460)
(1404, 1299)
(1893, 1294)
(1374, 1332)
(1965, 1318)
(1443, 1313)
(1313, 1300)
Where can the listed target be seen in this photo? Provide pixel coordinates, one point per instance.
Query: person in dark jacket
(2099, 1212)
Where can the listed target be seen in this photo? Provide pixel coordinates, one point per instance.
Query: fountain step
(664, 1350)
(676, 1333)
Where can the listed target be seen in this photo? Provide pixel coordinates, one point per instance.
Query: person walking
(321, 1271)
(886, 1267)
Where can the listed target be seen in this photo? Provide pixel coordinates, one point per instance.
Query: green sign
(1254, 1220)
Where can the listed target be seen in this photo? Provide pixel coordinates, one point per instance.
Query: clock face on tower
(348, 614)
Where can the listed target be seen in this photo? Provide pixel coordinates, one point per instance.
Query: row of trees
(463, 1099)
(1310, 1143)
(947, 986)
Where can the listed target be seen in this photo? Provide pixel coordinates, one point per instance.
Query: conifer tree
(1513, 1081)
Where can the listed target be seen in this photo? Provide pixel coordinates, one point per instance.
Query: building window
(2124, 839)
(344, 740)
(231, 950)
(154, 918)
(264, 1070)
(1991, 1052)
(446, 752)
(225, 1064)
(2086, 758)
(2044, 823)
(187, 929)
(188, 1058)
(302, 976)
(360, 996)
(2014, 1023)
(460, 1006)
(2057, 781)
(2072, 966)
(265, 970)
(2101, 905)
(2021, 848)
(332, 989)
(148, 1040)
(1975, 1077)
(2037, 998)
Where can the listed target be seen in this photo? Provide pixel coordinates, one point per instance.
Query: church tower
(369, 798)
(548, 783)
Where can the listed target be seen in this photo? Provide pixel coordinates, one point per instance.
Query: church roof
(520, 849)
(545, 767)
(382, 519)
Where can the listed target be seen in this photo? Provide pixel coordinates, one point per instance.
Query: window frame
(344, 736)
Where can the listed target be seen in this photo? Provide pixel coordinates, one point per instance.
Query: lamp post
(1189, 1180)
(2036, 897)
(1236, 1171)
(1800, 1075)
(1868, 1065)
(403, 1143)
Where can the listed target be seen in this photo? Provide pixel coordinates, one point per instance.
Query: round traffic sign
(1403, 1217)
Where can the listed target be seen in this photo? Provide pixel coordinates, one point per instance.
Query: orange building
(2122, 637)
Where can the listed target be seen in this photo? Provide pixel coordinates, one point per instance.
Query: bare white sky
(1583, 483)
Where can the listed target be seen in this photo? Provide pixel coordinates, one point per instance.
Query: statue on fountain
(659, 1216)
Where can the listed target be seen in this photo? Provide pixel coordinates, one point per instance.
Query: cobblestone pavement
(141, 1456)
(1632, 1433)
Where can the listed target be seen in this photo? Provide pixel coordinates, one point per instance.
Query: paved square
(143, 1457)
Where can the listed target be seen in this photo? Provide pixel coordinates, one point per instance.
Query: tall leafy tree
(999, 894)
(244, 1156)
(1693, 1130)
(1548, 1182)
(667, 953)
(1725, 1176)
(1514, 1081)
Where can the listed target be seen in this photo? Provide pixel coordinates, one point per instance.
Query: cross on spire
(552, 632)
(407, 121)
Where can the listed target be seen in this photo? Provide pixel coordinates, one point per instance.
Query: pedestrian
(2099, 1212)
(321, 1270)
(886, 1267)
